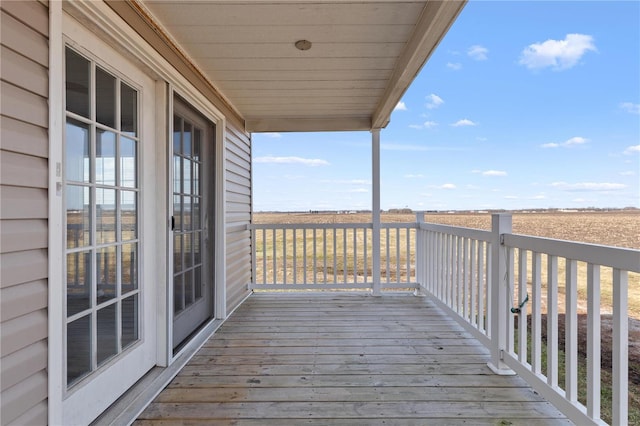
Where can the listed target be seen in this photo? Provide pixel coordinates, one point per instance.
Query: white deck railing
(331, 256)
(498, 285)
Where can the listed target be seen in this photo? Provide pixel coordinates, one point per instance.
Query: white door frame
(196, 311)
(219, 246)
(82, 402)
(107, 25)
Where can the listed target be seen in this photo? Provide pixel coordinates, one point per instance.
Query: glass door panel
(186, 219)
(101, 191)
(191, 279)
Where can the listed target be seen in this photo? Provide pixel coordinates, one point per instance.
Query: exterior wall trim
(220, 232)
(219, 289)
(56, 96)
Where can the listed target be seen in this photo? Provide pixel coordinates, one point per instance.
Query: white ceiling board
(293, 112)
(248, 95)
(285, 75)
(241, 87)
(323, 50)
(280, 14)
(364, 54)
(392, 33)
(296, 64)
(301, 104)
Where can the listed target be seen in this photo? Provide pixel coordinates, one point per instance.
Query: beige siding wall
(23, 212)
(238, 216)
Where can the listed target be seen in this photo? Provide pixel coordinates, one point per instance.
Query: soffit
(364, 55)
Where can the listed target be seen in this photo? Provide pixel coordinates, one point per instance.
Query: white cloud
(400, 107)
(557, 54)
(456, 66)
(446, 186)
(358, 190)
(464, 122)
(425, 125)
(489, 172)
(628, 173)
(574, 141)
(632, 149)
(313, 162)
(434, 101)
(272, 135)
(577, 140)
(477, 52)
(494, 173)
(630, 107)
(588, 186)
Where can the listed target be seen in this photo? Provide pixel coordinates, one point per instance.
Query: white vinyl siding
(23, 212)
(238, 215)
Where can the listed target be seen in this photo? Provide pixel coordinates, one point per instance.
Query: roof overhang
(363, 55)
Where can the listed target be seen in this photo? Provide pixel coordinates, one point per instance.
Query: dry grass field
(619, 228)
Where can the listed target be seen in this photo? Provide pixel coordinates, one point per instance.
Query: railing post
(420, 256)
(620, 355)
(254, 274)
(375, 210)
(499, 286)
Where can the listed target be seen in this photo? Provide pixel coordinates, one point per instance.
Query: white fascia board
(308, 124)
(436, 19)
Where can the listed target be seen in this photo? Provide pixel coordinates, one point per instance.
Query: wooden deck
(335, 359)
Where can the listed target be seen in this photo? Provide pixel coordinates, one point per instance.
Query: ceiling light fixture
(303, 45)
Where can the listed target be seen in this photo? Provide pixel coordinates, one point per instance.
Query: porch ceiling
(364, 55)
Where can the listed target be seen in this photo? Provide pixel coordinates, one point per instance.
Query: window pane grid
(187, 214)
(101, 172)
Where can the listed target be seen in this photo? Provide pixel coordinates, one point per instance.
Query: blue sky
(523, 105)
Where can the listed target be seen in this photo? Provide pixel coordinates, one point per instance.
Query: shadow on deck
(341, 359)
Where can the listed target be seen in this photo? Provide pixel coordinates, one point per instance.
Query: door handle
(173, 223)
(206, 229)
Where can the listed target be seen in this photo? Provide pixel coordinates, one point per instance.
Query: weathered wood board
(348, 360)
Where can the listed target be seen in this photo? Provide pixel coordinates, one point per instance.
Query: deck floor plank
(344, 360)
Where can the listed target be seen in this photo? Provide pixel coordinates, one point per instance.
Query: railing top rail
(614, 257)
(400, 225)
(359, 225)
(476, 234)
(310, 225)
